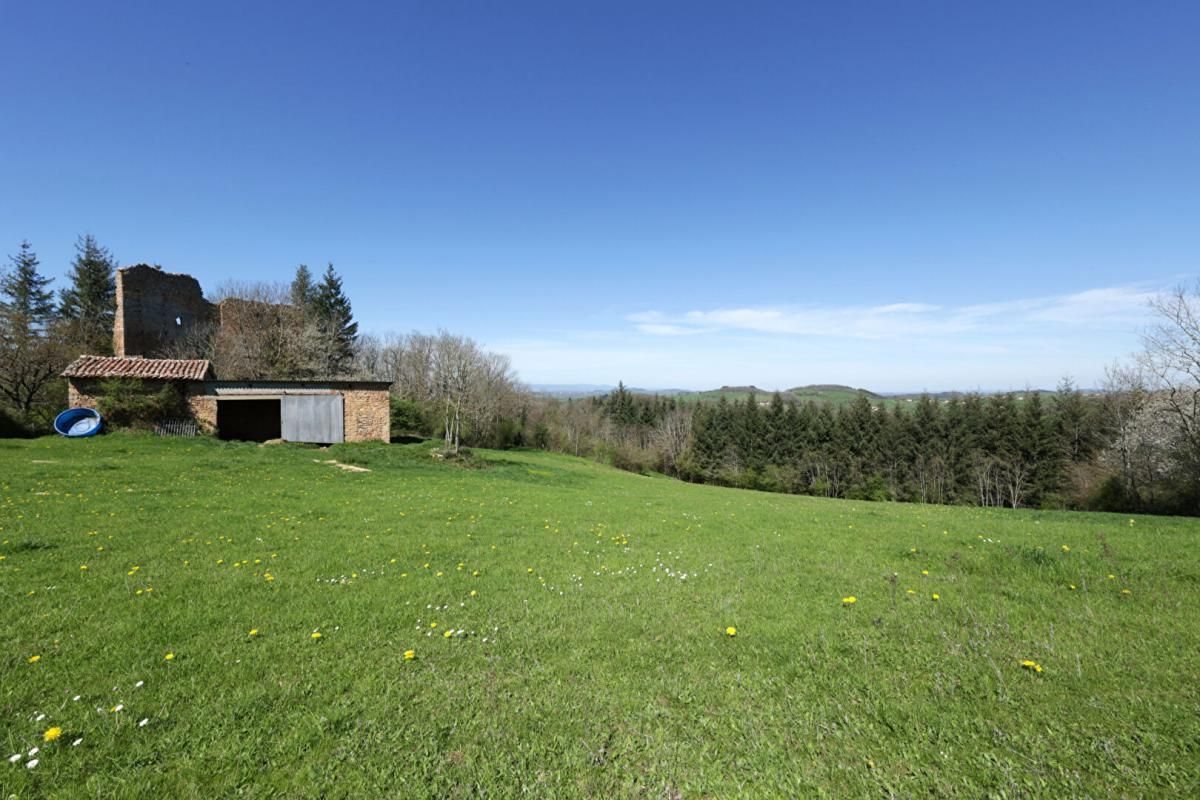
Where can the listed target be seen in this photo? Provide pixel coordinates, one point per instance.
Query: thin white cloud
(659, 329)
(1091, 308)
(901, 346)
(904, 308)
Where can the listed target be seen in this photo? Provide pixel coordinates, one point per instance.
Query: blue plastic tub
(78, 422)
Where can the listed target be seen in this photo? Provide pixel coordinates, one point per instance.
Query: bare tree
(257, 335)
(1171, 361)
(671, 437)
(1140, 419)
(29, 368)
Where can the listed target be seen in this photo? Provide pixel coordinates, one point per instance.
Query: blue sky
(901, 196)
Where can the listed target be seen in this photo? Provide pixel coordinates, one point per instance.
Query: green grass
(603, 672)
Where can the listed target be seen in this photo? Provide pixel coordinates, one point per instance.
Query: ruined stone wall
(155, 309)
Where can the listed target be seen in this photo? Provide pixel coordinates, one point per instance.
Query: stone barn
(325, 412)
(155, 309)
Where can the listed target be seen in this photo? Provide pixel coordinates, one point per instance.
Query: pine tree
(30, 356)
(303, 289)
(29, 304)
(89, 306)
(332, 310)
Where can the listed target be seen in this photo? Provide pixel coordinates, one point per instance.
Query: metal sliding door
(313, 418)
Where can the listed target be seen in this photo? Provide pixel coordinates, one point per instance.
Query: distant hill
(566, 390)
(570, 389)
(741, 390)
(833, 394)
(827, 388)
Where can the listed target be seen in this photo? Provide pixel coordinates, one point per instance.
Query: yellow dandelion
(475, 574)
(409, 655)
(910, 591)
(1126, 592)
(315, 635)
(935, 596)
(474, 593)
(433, 625)
(849, 601)
(529, 570)
(83, 567)
(447, 634)
(169, 657)
(34, 659)
(439, 574)
(1112, 577)
(924, 572)
(731, 631)
(1071, 586)
(1066, 548)
(1031, 665)
(51, 734)
(253, 632)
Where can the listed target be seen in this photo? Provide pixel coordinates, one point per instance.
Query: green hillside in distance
(825, 393)
(832, 394)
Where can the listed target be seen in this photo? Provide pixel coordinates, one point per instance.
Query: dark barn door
(313, 418)
(248, 420)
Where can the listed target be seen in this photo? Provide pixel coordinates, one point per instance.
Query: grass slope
(594, 660)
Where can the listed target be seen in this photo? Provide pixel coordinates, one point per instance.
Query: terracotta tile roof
(138, 367)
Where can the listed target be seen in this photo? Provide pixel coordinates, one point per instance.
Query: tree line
(1132, 445)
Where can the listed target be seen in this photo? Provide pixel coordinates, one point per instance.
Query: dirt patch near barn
(341, 466)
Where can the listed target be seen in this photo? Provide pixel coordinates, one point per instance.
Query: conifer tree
(30, 356)
(88, 307)
(332, 310)
(29, 304)
(303, 289)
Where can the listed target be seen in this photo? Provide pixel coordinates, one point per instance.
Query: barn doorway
(257, 420)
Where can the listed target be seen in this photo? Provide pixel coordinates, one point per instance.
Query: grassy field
(162, 600)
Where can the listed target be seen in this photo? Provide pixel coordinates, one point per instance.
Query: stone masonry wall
(82, 392)
(156, 308)
(367, 415)
(203, 407)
